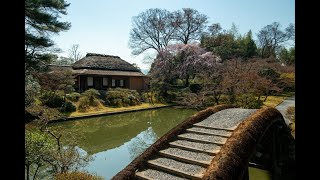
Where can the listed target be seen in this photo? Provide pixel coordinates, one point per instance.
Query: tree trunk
(35, 173)
(28, 173)
(187, 81)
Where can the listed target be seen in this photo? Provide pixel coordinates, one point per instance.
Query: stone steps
(151, 174)
(203, 138)
(208, 148)
(178, 168)
(216, 128)
(197, 158)
(209, 131)
(190, 153)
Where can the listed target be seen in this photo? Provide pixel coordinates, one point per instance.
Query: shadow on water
(115, 140)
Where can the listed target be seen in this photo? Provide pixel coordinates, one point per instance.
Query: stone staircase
(191, 152)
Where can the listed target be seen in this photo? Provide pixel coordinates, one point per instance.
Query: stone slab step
(209, 148)
(218, 132)
(197, 158)
(216, 128)
(177, 168)
(151, 174)
(203, 138)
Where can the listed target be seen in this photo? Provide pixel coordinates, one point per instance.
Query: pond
(115, 140)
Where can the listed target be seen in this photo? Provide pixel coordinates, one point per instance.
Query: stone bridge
(220, 142)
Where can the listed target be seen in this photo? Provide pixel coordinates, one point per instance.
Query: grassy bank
(103, 109)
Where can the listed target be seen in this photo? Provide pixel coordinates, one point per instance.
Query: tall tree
(190, 26)
(248, 46)
(234, 30)
(271, 37)
(41, 21)
(152, 29)
(74, 53)
(214, 29)
(224, 44)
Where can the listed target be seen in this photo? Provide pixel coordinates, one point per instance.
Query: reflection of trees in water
(141, 142)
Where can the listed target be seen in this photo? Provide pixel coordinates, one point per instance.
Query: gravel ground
(188, 154)
(203, 146)
(159, 175)
(187, 168)
(212, 131)
(210, 138)
(227, 118)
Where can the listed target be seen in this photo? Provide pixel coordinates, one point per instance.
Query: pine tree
(41, 21)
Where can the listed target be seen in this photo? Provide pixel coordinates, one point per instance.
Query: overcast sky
(103, 26)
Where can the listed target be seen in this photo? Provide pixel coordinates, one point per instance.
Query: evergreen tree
(41, 21)
(249, 46)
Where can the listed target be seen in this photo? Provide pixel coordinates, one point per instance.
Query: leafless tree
(270, 38)
(152, 29)
(74, 52)
(190, 25)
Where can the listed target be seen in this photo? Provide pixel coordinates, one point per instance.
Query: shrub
(68, 107)
(32, 89)
(92, 95)
(268, 73)
(195, 88)
(119, 97)
(291, 113)
(102, 94)
(74, 97)
(52, 100)
(249, 101)
(84, 104)
(76, 176)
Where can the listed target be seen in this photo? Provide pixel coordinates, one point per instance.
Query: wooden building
(101, 72)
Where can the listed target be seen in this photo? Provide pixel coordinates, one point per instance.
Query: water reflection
(141, 142)
(114, 141)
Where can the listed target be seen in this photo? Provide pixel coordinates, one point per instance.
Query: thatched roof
(106, 72)
(104, 62)
(53, 67)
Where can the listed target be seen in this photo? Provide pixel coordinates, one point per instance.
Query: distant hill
(145, 71)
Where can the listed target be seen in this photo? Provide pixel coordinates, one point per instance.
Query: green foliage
(223, 45)
(38, 147)
(74, 97)
(32, 90)
(119, 97)
(52, 100)
(36, 111)
(76, 176)
(287, 56)
(41, 21)
(269, 73)
(68, 107)
(248, 46)
(92, 95)
(84, 104)
(249, 101)
(195, 88)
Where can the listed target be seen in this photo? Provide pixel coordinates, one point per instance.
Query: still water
(115, 140)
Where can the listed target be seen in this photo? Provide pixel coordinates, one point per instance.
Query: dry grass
(273, 101)
(103, 109)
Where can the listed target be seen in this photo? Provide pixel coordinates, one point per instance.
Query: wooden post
(79, 83)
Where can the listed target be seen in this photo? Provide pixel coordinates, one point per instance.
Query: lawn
(103, 109)
(273, 101)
